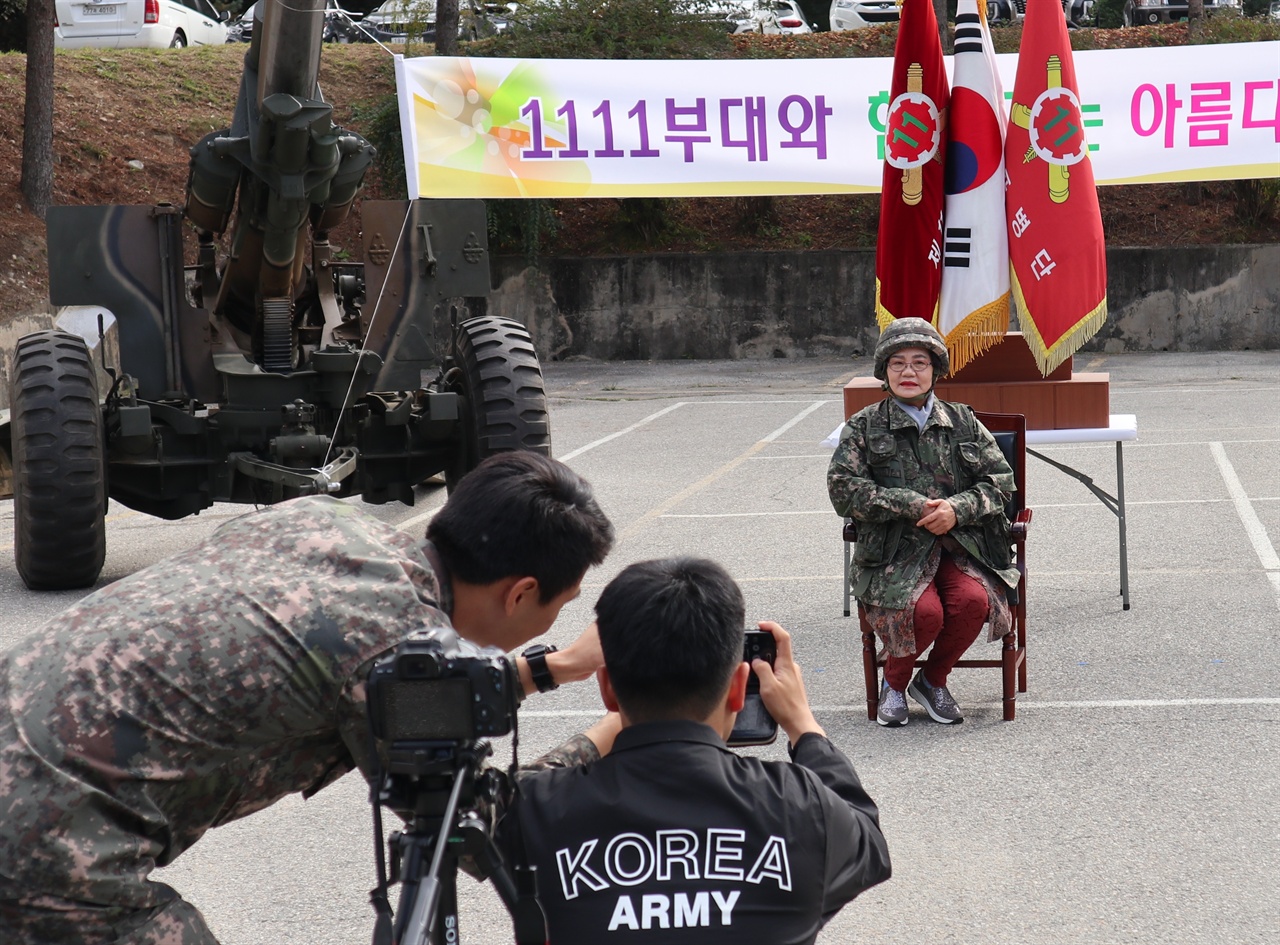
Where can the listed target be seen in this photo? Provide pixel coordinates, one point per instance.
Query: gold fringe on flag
(978, 331)
(1048, 357)
(885, 318)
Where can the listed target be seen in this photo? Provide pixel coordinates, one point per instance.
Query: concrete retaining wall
(784, 305)
(788, 305)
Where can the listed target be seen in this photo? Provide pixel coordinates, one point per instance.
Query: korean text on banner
(973, 311)
(1056, 248)
(624, 128)
(909, 243)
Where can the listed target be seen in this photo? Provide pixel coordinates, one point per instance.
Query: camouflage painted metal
(421, 259)
(188, 695)
(882, 472)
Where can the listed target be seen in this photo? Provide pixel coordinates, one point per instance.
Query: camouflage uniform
(190, 694)
(578, 750)
(883, 470)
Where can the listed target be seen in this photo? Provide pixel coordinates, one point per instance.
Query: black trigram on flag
(958, 247)
(968, 33)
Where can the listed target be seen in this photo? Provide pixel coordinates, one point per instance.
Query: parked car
(787, 17)
(398, 21)
(240, 30)
(498, 16)
(770, 17)
(340, 26)
(343, 26)
(1146, 12)
(1275, 9)
(126, 24)
(1081, 12)
(857, 14)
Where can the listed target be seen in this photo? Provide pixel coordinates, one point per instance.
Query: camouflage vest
(970, 454)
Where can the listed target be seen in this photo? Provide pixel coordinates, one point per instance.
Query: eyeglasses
(917, 365)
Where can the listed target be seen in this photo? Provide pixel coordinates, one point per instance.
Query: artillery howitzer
(268, 369)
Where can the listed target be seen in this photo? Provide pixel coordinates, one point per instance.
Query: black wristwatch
(536, 656)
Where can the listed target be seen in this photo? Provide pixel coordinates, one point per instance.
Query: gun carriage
(268, 368)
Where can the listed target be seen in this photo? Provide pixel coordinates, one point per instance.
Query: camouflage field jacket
(198, 691)
(883, 470)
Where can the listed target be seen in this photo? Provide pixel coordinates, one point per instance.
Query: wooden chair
(1010, 431)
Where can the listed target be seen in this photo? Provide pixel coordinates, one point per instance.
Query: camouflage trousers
(30, 918)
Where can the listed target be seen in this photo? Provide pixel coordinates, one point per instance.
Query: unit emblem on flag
(1057, 129)
(913, 132)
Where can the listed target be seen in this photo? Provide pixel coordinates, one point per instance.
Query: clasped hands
(939, 516)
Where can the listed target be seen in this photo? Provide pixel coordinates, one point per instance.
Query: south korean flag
(973, 311)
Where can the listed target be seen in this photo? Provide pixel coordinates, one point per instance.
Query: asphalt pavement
(1134, 799)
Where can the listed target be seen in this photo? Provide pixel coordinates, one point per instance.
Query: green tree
(612, 29)
(13, 25)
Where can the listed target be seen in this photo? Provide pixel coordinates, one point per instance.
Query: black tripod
(436, 780)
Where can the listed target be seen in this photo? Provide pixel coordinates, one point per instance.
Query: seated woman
(927, 484)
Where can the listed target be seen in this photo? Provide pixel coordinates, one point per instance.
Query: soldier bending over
(210, 685)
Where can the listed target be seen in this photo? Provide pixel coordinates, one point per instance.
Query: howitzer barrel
(285, 52)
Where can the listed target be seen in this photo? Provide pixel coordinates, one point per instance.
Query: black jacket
(674, 838)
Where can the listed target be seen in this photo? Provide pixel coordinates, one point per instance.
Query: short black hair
(672, 635)
(521, 514)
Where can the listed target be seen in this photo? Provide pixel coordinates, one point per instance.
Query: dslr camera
(437, 687)
(433, 703)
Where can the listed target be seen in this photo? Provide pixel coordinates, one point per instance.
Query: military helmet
(911, 333)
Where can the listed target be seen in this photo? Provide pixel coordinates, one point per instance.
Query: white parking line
(1130, 504)
(1253, 526)
(662, 508)
(412, 523)
(1141, 444)
(1124, 391)
(750, 514)
(825, 456)
(574, 454)
(861, 708)
(1038, 506)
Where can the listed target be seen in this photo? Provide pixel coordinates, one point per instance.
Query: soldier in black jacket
(647, 828)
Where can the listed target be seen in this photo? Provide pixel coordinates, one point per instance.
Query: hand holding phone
(754, 725)
(782, 690)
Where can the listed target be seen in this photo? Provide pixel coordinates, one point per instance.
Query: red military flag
(909, 243)
(1056, 248)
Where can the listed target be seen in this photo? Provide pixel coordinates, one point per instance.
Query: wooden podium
(1005, 379)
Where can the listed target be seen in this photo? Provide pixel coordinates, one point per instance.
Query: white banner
(683, 128)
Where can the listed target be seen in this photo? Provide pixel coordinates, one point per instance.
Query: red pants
(949, 614)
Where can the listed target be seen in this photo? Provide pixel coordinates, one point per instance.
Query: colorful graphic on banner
(1056, 248)
(973, 310)
(909, 242)
(623, 128)
(498, 128)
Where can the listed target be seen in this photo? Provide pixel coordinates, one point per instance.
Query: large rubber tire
(504, 400)
(59, 469)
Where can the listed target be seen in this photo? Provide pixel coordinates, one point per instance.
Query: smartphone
(755, 726)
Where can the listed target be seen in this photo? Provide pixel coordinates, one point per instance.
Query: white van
(122, 24)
